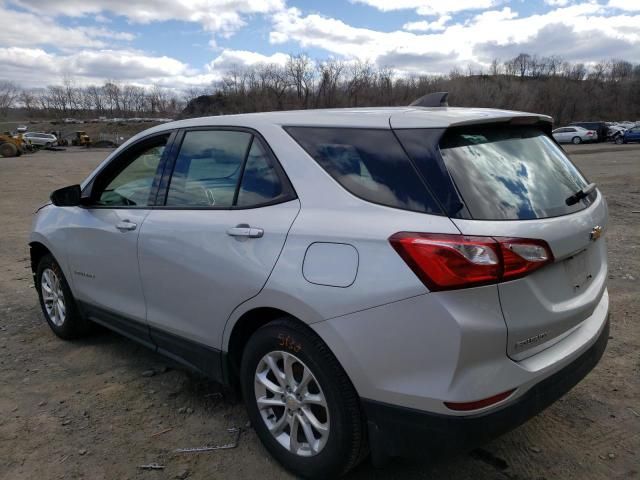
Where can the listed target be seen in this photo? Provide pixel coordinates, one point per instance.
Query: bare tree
(9, 92)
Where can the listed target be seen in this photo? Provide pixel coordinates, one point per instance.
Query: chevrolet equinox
(384, 281)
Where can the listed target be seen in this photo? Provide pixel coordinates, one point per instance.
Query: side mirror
(67, 196)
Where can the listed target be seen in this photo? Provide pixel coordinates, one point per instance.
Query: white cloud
(242, 58)
(429, 7)
(219, 16)
(628, 5)
(25, 29)
(34, 67)
(471, 42)
(557, 3)
(424, 26)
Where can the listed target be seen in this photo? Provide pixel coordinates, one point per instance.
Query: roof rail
(436, 99)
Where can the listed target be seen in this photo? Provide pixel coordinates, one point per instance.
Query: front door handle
(126, 226)
(245, 231)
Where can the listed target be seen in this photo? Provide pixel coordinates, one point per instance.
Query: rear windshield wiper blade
(580, 194)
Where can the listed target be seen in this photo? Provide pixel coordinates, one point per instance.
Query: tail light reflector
(447, 262)
(485, 402)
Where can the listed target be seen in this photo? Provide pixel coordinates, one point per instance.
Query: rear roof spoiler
(436, 99)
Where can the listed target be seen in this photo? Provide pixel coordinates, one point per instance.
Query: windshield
(511, 173)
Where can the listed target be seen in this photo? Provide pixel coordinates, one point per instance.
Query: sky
(192, 43)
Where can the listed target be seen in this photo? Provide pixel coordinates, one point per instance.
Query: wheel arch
(243, 328)
(37, 250)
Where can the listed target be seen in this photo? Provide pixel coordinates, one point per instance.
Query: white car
(41, 139)
(400, 281)
(574, 135)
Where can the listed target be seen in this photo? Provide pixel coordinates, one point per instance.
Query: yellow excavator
(11, 146)
(81, 139)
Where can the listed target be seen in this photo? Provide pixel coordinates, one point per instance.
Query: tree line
(113, 99)
(607, 90)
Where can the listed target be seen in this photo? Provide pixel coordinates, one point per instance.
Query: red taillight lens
(447, 262)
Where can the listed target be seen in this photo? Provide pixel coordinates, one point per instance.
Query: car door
(103, 239)
(560, 135)
(227, 210)
(570, 133)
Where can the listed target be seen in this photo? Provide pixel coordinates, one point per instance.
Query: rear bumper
(401, 431)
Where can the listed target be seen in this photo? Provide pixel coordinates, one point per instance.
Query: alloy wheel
(53, 297)
(292, 403)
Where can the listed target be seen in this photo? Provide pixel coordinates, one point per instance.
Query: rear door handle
(126, 226)
(245, 231)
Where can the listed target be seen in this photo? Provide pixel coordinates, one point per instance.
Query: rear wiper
(580, 194)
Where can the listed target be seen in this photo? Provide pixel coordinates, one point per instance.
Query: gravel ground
(101, 407)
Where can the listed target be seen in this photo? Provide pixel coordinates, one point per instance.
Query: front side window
(131, 186)
(370, 163)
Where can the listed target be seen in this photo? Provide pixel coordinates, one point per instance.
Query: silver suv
(389, 280)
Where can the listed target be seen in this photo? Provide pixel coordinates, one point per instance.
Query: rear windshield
(370, 163)
(511, 173)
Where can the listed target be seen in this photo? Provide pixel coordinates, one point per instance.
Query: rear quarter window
(369, 163)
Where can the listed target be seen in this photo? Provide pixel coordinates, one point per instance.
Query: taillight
(447, 262)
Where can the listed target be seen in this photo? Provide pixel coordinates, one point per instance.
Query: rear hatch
(510, 179)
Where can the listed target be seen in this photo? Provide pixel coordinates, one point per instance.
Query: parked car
(41, 139)
(615, 132)
(574, 135)
(631, 135)
(363, 276)
(599, 127)
(72, 120)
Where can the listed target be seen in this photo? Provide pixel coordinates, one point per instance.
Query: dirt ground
(89, 409)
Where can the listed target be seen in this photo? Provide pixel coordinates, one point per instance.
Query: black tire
(74, 325)
(346, 444)
(576, 140)
(47, 145)
(619, 140)
(8, 150)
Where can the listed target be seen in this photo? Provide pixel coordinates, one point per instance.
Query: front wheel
(619, 140)
(300, 401)
(57, 302)
(576, 140)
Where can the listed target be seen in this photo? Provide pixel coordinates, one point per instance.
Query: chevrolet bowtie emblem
(596, 233)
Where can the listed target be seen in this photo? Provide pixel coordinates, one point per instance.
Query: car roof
(379, 117)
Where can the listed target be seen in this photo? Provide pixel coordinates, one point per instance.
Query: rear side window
(260, 182)
(370, 163)
(511, 173)
(226, 169)
(208, 168)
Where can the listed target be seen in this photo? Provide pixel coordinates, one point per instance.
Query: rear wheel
(576, 140)
(8, 150)
(57, 302)
(619, 140)
(301, 402)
